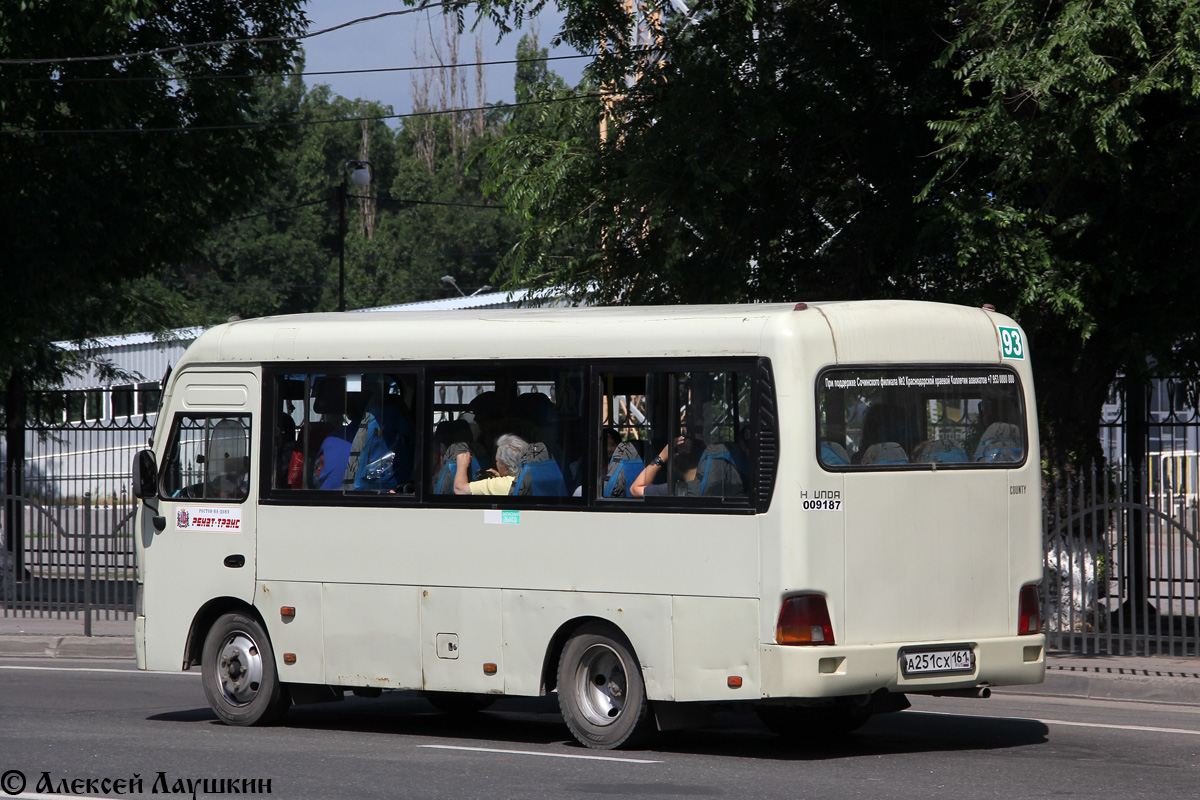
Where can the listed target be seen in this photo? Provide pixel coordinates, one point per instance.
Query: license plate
(926, 662)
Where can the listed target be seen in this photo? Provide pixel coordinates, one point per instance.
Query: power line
(224, 42)
(378, 198)
(284, 123)
(143, 78)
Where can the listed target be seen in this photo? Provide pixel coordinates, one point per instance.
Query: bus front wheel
(239, 674)
(600, 690)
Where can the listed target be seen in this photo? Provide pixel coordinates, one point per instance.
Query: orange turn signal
(289, 658)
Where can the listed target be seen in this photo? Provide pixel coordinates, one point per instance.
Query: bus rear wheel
(239, 674)
(600, 690)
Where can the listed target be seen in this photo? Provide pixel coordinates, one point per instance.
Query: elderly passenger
(509, 448)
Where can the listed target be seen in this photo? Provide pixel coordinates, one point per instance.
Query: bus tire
(459, 702)
(799, 723)
(239, 674)
(600, 690)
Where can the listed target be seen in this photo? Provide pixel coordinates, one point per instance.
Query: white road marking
(1099, 725)
(95, 669)
(537, 753)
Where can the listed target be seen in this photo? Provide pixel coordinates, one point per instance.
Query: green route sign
(1011, 344)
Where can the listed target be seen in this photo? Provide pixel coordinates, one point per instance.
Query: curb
(1129, 684)
(42, 646)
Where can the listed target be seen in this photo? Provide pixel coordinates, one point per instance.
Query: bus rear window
(953, 416)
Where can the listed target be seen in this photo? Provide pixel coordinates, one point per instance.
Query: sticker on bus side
(493, 516)
(1011, 345)
(204, 519)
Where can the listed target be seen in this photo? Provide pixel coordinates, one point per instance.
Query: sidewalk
(1174, 681)
(37, 637)
(1164, 679)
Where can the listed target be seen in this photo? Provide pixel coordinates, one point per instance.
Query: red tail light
(1029, 616)
(804, 619)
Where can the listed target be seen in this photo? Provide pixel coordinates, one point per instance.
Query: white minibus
(808, 511)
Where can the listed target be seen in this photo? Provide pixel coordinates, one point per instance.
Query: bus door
(206, 546)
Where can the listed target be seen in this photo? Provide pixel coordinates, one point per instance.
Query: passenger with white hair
(509, 449)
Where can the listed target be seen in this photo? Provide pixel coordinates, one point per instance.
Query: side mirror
(145, 475)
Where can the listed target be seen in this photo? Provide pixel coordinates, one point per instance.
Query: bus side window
(706, 450)
(474, 410)
(209, 458)
(383, 452)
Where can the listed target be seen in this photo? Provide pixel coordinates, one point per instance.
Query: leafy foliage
(1038, 156)
(84, 210)
(423, 216)
(1069, 174)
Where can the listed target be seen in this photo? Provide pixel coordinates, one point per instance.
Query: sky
(393, 42)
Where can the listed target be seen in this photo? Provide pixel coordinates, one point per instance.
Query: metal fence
(1121, 570)
(66, 532)
(1122, 547)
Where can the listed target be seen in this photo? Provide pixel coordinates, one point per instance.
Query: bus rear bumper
(838, 671)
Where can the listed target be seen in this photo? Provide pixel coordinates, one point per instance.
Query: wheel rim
(239, 669)
(601, 685)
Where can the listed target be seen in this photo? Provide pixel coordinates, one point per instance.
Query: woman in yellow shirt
(509, 448)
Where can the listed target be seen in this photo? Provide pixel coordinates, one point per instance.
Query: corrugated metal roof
(166, 338)
(489, 300)
(148, 354)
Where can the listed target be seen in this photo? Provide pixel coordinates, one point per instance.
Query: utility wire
(143, 78)
(297, 123)
(224, 42)
(383, 198)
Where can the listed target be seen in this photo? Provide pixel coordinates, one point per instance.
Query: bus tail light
(1029, 617)
(804, 619)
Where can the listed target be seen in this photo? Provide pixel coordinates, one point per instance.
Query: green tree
(1040, 157)
(766, 151)
(277, 254)
(107, 169)
(1069, 175)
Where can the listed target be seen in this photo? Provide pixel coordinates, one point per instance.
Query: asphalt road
(79, 721)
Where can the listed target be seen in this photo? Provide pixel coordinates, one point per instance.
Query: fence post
(87, 563)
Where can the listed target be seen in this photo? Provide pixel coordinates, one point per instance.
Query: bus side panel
(183, 569)
(1025, 513)
(301, 635)
(372, 635)
(711, 554)
(460, 632)
(715, 639)
(532, 618)
(803, 550)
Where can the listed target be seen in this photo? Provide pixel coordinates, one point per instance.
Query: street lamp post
(360, 174)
